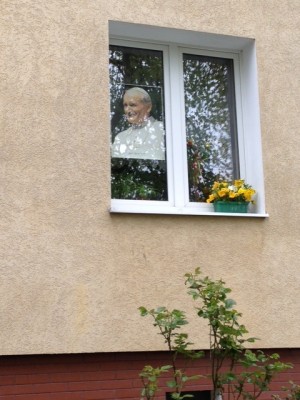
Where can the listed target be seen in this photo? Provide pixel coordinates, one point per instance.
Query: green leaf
(165, 368)
(229, 303)
(143, 311)
(171, 384)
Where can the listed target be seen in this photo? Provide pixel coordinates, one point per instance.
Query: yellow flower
(248, 194)
(216, 186)
(241, 191)
(232, 195)
(223, 192)
(239, 183)
(211, 198)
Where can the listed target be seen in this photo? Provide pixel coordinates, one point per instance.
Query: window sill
(194, 209)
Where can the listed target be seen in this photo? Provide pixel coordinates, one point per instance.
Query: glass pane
(138, 162)
(194, 395)
(210, 123)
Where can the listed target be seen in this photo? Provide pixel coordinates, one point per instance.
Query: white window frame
(173, 43)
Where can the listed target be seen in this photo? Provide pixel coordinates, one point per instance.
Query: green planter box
(230, 207)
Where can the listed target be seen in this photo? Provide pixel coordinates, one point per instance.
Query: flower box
(231, 197)
(231, 207)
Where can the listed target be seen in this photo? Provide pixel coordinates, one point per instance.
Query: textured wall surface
(72, 275)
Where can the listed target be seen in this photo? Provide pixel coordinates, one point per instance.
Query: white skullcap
(146, 97)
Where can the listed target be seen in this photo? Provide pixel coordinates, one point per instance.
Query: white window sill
(193, 209)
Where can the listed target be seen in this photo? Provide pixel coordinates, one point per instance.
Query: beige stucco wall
(72, 275)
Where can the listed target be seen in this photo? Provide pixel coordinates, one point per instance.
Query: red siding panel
(102, 376)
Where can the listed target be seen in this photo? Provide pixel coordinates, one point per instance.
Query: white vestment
(145, 141)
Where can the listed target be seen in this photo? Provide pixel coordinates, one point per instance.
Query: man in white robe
(145, 139)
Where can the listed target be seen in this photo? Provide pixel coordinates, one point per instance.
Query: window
(139, 170)
(184, 113)
(196, 395)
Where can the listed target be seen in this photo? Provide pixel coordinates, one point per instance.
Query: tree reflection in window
(210, 122)
(136, 178)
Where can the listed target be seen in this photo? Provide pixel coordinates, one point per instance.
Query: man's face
(136, 111)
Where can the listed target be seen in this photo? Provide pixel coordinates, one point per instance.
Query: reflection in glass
(138, 136)
(210, 123)
(144, 138)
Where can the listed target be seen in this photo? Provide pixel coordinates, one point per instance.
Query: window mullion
(178, 128)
